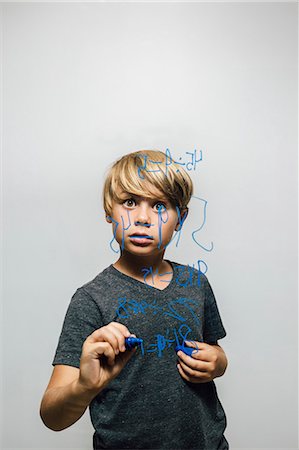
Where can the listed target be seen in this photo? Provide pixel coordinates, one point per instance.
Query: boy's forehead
(153, 192)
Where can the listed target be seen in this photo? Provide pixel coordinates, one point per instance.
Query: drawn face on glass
(142, 225)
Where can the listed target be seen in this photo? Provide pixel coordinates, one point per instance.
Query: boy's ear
(108, 219)
(183, 216)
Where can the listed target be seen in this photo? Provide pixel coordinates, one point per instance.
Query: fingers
(99, 349)
(193, 376)
(114, 333)
(196, 344)
(193, 362)
(200, 367)
(203, 351)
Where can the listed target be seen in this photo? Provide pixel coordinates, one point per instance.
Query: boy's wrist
(80, 391)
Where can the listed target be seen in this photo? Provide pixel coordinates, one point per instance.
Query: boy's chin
(141, 250)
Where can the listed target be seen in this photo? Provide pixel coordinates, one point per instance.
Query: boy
(154, 396)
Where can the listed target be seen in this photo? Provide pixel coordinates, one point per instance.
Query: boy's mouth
(138, 234)
(141, 238)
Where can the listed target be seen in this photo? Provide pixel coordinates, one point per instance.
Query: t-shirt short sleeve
(82, 319)
(213, 326)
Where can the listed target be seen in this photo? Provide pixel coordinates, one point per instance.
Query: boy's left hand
(206, 363)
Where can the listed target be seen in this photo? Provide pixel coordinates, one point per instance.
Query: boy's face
(143, 226)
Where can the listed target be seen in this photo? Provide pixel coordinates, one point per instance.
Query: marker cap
(132, 342)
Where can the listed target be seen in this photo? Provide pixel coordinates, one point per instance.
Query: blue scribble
(141, 346)
(184, 334)
(185, 282)
(189, 280)
(165, 342)
(178, 232)
(160, 221)
(206, 266)
(161, 343)
(114, 234)
(124, 229)
(201, 226)
(144, 166)
(185, 302)
(189, 165)
(128, 307)
(193, 160)
(149, 271)
(115, 230)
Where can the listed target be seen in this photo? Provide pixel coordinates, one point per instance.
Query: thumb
(127, 355)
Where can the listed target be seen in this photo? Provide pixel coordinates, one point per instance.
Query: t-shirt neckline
(146, 286)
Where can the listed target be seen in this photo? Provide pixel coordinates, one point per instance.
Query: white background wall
(84, 83)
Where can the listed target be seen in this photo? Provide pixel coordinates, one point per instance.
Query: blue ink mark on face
(178, 232)
(160, 222)
(124, 229)
(114, 234)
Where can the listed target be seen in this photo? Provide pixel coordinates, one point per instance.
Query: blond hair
(141, 171)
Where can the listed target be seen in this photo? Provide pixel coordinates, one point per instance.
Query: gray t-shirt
(149, 405)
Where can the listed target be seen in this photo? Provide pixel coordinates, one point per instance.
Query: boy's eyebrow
(154, 196)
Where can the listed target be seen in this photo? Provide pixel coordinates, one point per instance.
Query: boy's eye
(160, 206)
(129, 202)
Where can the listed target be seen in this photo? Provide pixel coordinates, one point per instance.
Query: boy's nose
(142, 216)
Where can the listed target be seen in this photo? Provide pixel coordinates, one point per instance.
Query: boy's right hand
(103, 356)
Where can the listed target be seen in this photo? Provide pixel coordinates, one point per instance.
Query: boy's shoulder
(103, 277)
(101, 281)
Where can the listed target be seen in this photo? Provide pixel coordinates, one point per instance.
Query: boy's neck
(132, 265)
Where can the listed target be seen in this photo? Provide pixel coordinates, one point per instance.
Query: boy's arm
(221, 361)
(64, 402)
(70, 389)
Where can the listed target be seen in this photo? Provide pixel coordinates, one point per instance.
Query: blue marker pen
(132, 342)
(187, 350)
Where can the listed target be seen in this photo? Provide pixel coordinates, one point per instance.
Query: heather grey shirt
(149, 405)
